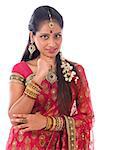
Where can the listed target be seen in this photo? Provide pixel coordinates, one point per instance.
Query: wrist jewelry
(32, 89)
(49, 123)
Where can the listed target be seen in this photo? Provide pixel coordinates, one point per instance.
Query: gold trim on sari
(70, 126)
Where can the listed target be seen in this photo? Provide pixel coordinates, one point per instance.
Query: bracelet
(30, 93)
(54, 124)
(59, 123)
(36, 84)
(49, 123)
(32, 90)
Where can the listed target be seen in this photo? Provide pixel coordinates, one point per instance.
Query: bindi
(51, 31)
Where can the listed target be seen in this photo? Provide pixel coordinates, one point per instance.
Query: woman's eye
(58, 35)
(45, 37)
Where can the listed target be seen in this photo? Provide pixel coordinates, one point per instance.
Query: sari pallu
(77, 126)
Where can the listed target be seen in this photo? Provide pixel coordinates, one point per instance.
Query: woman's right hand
(43, 67)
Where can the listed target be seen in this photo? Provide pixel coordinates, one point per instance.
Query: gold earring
(31, 49)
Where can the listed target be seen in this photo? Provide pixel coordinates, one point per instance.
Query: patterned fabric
(77, 126)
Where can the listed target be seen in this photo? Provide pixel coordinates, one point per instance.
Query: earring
(31, 49)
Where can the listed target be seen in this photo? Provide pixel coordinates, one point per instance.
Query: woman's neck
(50, 60)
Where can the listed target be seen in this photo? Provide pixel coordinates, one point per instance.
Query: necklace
(51, 76)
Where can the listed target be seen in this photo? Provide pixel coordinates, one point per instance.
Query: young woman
(50, 106)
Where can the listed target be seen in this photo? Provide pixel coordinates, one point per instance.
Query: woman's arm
(19, 102)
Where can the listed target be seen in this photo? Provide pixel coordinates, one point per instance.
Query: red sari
(76, 134)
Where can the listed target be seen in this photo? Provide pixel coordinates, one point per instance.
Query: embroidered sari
(76, 134)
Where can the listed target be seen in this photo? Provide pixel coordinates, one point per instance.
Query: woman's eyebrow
(43, 33)
(58, 33)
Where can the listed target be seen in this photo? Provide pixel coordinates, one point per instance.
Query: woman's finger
(25, 130)
(20, 115)
(22, 126)
(19, 120)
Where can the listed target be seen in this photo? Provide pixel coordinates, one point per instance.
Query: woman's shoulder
(18, 64)
(78, 66)
(21, 68)
(79, 69)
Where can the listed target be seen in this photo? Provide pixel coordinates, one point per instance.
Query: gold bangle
(59, 124)
(33, 85)
(54, 124)
(36, 84)
(32, 90)
(49, 123)
(30, 93)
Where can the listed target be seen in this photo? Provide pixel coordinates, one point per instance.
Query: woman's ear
(31, 36)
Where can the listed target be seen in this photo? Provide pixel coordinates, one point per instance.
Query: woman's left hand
(29, 122)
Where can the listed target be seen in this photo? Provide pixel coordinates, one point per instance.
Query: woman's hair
(39, 15)
(64, 91)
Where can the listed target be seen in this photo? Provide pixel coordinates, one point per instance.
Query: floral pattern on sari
(78, 125)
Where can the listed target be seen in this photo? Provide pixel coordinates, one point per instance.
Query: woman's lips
(52, 50)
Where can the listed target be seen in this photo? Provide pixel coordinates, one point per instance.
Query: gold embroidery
(83, 136)
(27, 140)
(78, 123)
(70, 125)
(35, 148)
(42, 140)
(20, 137)
(14, 144)
(48, 105)
(27, 147)
(53, 90)
(54, 93)
(27, 143)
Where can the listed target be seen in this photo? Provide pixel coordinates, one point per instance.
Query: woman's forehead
(45, 27)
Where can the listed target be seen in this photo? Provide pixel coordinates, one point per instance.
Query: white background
(91, 38)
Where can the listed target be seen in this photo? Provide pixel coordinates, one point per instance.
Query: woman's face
(48, 39)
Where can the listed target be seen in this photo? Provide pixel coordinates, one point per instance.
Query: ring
(24, 120)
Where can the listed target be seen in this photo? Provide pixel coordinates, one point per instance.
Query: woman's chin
(51, 55)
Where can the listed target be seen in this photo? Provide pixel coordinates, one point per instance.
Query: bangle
(54, 124)
(49, 123)
(32, 90)
(59, 123)
(36, 84)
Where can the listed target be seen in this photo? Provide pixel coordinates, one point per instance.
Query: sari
(76, 133)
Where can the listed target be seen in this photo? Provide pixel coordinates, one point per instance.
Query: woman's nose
(52, 42)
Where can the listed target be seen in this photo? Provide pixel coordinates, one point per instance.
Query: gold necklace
(51, 76)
